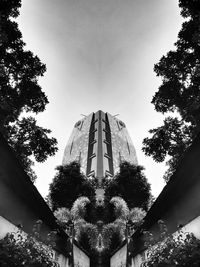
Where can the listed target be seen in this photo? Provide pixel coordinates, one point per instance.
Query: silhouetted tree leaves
(179, 92)
(20, 92)
(130, 184)
(69, 184)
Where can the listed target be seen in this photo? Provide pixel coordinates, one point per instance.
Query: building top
(100, 142)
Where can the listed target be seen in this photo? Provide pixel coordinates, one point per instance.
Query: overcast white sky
(100, 55)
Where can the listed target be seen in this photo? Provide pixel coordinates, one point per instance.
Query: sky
(100, 56)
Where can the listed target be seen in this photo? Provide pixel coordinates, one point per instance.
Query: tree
(179, 92)
(171, 139)
(85, 233)
(69, 184)
(130, 184)
(20, 93)
(114, 233)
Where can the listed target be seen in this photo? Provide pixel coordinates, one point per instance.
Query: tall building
(99, 142)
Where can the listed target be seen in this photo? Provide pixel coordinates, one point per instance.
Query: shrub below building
(181, 250)
(18, 249)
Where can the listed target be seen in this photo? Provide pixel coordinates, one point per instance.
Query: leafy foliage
(130, 184)
(98, 236)
(100, 223)
(178, 93)
(113, 233)
(18, 250)
(69, 184)
(84, 232)
(180, 249)
(135, 219)
(120, 208)
(170, 139)
(21, 93)
(30, 140)
(64, 219)
(78, 209)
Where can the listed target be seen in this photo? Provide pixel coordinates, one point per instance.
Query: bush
(130, 184)
(17, 250)
(181, 249)
(69, 184)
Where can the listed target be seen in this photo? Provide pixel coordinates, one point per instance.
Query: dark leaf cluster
(189, 8)
(18, 249)
(179, 92)
(69, 184)
(130, 184)
(20, 92)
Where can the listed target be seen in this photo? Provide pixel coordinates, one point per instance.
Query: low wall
(21, 205)
(193, 227)
(80, 258)
(6, 227)
(119, 258)
(63, 261)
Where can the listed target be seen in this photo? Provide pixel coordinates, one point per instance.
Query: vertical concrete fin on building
(100, 160)
(91, 142)
(100, 168)
(108, 143)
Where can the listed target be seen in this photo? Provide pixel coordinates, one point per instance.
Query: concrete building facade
(100, 142)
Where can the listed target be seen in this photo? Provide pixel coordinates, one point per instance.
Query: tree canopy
(69, 184)
(20, 92)
(179, 92)
(130, 184)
